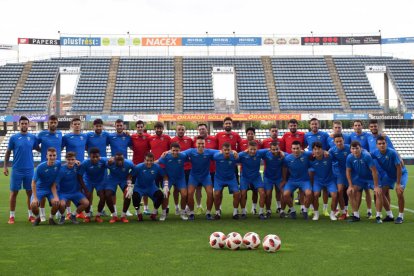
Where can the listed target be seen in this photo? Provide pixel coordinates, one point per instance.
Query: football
(251, 240)
(234, 241)
(271, 243)
(217, 240)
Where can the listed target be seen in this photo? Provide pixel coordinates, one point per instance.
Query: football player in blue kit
(97, 138)
(321, 176)
(146, 173)
(362, 174)
(393, 175)
(43, 186)
(22, 145)
(119, 141)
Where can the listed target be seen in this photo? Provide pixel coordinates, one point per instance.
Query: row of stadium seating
(402, 139)
(297, 80)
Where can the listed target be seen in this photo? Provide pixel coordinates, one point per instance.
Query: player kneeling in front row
(146, 173)
(362, 174)
(225, 166)
(297, 164)
(321, 176)
(69, 188)
(120, 170)
(392, 171)
(43, 186)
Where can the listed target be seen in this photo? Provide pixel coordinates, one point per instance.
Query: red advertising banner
(220, 117)
(161, 41)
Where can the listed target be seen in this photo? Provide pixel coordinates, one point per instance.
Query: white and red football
(271, 243)
(217, 240)
(234, 241)
(251, 240)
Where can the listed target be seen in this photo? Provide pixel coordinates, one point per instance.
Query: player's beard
(24, 129)
(228, 128)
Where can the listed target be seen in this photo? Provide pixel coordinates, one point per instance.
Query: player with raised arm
(185, 143)
(159, 143)
(392, 171)
(322, 177)
(272, 177)
(174, 168)
(361, 174)
(244, 145)
(362, 137)
(210, 143)
(22, 145)
(297, 164)
(120, 171)
(339, 154)
(94, 174)
(337, 129)
(200, 158)
(50, 138)
(266, 144)
(43, 186)
(70, 188)
(145, 174)
(225, 176)
(251, 177)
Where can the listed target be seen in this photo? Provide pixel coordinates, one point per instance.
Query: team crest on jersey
(302, 159)
(386, 157)
(123, 138)
(57, 135)
(28, 138)
(179, 161)
(231, 136)
(345, 153)
(208, 140)
(46, 170)
(81, 137)
(152, 172)
(144, 137)
(123, 169)
(55, 168)
(325, 163)
(162, 138)
(229, 162)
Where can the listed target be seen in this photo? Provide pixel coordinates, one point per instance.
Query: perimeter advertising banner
(221, 41)
(397, 40)
(351, 116)
(80, 41)
(320, 40)
(220, 117)
(121, 41)
(110, 118)
(8, 47)
(281, 41)
(39, 41)
(360, 40)
(161, 41)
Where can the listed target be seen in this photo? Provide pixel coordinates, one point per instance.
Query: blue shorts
(269, 183)
(302, 185)
(74, 197)
(148, 191)
(341, 179)
(387, 181)
(197, 181)
(330, 186)
(41, 194)
(364, 184)
(177, 183)
(110, 185)
(19, 177)
(251, 184)
(220, 184)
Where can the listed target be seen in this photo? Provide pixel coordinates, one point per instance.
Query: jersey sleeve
(186, 152)
(369, 160)
(262, 152)
(36, 173)
(349, 162)
(82, 168)
(64, 141)
(160, 171)
(10, 146)
(161, 160)
(60, 175)
(389, 143)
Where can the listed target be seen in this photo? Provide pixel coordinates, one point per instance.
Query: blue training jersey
(361, 138)
(174, 166)
(225, 167)
(320, 136)
(145, 177)
(388, 161)
(93, 173)
(331, 142)
(22, 146)
(274, 165)
(339, 159)
(251, 164)
(119, 143)
(118, 174)
(322, 169)
(45, 175)
(200, 162)
(99, 141)
(76, 143)
(50, 140)
(372, 142)
(298, 166)
(360, 167)
(67, 180)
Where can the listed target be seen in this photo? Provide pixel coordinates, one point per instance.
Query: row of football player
(262, 216)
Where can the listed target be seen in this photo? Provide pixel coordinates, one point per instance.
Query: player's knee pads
(158, 199)
(136, 200)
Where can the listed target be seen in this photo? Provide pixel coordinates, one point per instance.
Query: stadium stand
(9, 76)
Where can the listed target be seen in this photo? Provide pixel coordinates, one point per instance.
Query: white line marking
(396, 207)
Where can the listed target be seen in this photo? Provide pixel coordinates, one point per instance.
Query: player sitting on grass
(225, 176)
(362, 175)
(251, 179)
(94, 174)
(322, 178)
(272, 176)
(392, 171)
(70, 189)
(339, 153)
(146, 173)
(200, 174)
(174, 167)
(297, 164)
(119, 174)
(43, 186)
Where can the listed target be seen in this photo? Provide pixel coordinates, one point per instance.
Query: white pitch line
(396, 207)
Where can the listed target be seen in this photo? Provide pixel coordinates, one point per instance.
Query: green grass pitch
(175, 247)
